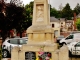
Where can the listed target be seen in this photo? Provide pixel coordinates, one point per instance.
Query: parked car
(70, 38)
(59, 38)
(8, 44)
(74, 48)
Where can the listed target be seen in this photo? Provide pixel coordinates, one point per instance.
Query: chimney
(75, 28)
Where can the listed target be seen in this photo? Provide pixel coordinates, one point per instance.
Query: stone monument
(40, 43)
(40, 32)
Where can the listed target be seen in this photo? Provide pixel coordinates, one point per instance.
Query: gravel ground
(74, 59)
(71, 58)
(6, 59)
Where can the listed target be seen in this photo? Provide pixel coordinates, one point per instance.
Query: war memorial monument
(40, 45)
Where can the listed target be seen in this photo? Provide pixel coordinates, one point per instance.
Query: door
(76, 49)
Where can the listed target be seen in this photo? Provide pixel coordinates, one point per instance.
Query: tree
(16, 17)
(3, 26)
(20, 16)
(12, 16)
(29, 13)
(53, 12)
(78, 24)
(67, 12)
(77, 9)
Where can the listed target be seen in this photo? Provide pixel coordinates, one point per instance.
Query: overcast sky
(57, 3)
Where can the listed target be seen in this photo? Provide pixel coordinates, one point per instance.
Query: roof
(69, 21)
(53, 19)
(78, 16)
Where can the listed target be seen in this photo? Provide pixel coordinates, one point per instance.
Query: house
(55, 25)
(62, 24)
(66, 25)
(69, 25)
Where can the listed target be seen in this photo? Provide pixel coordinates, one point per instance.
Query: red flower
(49, 55)
(40, 58)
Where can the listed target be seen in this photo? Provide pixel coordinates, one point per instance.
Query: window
(52, 25)
(22, 42)
(78, 44)
(13, 41)
(61, 23)
(70, 37)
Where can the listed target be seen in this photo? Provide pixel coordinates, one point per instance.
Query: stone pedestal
(15, 53)
(42, 34)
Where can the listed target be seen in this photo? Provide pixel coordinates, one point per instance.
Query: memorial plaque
(30, 55)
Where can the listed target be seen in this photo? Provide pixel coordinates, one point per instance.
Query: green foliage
(77, 9)
(53, 12)
(14, 18)
(29, 13)
(67, 12)
(78, 24)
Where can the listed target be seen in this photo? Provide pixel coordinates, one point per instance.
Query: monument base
(37, 52)
(40, 34)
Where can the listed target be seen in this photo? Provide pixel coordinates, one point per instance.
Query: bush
(78, 24)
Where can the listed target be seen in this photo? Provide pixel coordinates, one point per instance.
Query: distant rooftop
(69, 20)
(53, 19)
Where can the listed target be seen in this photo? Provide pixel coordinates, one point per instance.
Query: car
(8, 44)
(59, 38)
(74, 48)
(70, 38)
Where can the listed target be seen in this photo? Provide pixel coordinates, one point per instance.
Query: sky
(57, 3)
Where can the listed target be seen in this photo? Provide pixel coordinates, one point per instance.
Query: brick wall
(65, 33)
